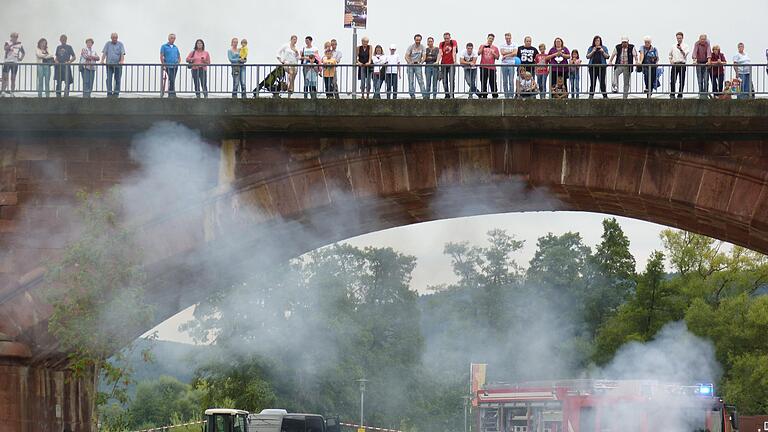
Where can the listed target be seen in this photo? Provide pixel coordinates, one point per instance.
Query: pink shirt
(199, 58)
(488, 56)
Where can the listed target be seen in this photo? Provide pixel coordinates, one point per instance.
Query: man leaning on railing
(169, 59)
(701, 53)
(113, 55)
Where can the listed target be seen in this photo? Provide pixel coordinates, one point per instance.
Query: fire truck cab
(602, 406)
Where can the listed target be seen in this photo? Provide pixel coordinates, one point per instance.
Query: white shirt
(507, 49)
(379, 59)
(44, 56)
(15, 54)
(466, 56)
(287, 55)
(88, 64)
(337, 56)
(675, 56)
(392, 60)
(525, 85)
(742, 59)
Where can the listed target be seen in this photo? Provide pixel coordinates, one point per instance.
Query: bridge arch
(298, 190)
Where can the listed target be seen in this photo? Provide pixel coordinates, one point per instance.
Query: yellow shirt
(244, 52)
(330, 67)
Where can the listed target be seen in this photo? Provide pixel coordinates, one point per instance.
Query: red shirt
(541, 60)
(488, 56)
(718, 70)
(447, 51)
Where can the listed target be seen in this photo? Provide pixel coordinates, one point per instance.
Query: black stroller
(273, 83)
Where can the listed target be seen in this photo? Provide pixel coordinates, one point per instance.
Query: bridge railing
(349, 81)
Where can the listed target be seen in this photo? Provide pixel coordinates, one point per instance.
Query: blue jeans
(541, 81)
(575, 84)
(238, 81)
(470, 77)
(702, 76)
(43, 80)
(365, 73)
(449, 80)
(746, 86)
(391, 81)
(200, 79)
(378, 80)
(508, 81)
(415, 72)
(172, 71)
(114, 72)
(89, 76)
(432, 73)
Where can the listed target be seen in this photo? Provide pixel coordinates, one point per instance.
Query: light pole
(466, 408)
(354, 75)
(362, 382)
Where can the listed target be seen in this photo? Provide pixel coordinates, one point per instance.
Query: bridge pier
(37, 398)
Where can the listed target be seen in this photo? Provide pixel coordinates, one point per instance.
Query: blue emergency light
(706, 389)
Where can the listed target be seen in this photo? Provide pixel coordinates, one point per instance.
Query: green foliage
(613, 275)
(243, 387)
(114, 418)
(738, 327)
(96, 291)
(157, 402)
(747, 383)
(561, 264)
(299, 334)
(692, 253)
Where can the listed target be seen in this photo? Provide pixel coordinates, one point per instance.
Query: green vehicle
(225, 420)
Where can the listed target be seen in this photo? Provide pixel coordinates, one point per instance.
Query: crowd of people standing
(526, 71)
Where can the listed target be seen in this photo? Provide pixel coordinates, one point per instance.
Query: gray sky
(143, 26)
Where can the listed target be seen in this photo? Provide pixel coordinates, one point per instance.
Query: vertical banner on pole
(477, 379)
(355, 17)
(355, 13)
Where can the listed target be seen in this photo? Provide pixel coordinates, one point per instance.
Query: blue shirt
(598, 58)
(113, 51)
(170, 53)
(234, 56)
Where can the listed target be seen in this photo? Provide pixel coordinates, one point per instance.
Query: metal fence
(403, 81)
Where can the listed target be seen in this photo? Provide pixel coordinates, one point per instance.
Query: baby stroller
(273, 83)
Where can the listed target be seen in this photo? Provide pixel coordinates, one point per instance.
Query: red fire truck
(602, 406)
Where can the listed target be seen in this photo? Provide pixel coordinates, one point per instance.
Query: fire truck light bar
(706, 389)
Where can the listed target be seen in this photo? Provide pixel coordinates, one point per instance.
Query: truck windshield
(240, 424)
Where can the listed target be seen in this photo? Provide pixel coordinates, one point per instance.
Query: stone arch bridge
(302, 174)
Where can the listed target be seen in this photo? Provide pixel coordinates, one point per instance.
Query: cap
(625, 38)
(393, 47)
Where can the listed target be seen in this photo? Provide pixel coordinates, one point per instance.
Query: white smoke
(675, 355)
(666, 372)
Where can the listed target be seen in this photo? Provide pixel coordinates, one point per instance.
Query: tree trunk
(94, 396)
